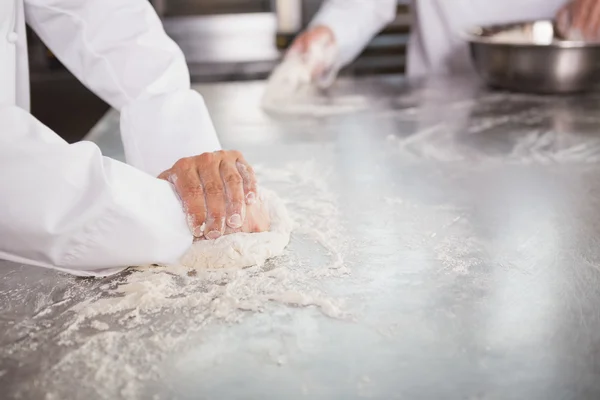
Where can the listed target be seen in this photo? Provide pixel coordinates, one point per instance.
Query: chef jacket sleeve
(354, 23)
(118, 48)
(67, 207)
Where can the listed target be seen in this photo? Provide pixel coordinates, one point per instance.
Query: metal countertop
(446, 247)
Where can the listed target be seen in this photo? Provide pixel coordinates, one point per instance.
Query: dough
(541, 33)
(289, 90)
(240, 250)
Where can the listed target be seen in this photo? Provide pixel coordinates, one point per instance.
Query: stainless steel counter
(447, 247)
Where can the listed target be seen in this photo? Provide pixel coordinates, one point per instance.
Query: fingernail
(198, 231)
(251, 198)
(213, 235)
(235, 221)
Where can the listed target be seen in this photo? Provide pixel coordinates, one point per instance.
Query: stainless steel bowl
(530, 57)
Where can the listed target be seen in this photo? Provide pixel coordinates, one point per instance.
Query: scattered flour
(445, 230)
(290, 91)
(153, 310)
(99, 325)
(539, 33)
(520, 130)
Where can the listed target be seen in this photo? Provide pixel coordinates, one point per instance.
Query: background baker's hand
(215, 189)
(318, 49)
(580, 20)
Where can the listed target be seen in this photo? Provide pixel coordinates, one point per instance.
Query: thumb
(299, 46)
(563, 22)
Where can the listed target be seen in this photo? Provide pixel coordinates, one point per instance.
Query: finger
(572, 30)
(249, 178)
(299, 45)
(594, 21)
(563, 22)
(214, 194)
(189, 188)
(258, 218)
(582, 13)
(318, 70)
(234, 190)
(165, 175)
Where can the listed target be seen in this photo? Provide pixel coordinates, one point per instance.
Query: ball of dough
(239, 250)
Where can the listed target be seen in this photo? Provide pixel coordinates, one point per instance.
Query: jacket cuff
(143, 213)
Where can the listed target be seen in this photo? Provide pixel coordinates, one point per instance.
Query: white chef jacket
(435, 45)
(66, 206)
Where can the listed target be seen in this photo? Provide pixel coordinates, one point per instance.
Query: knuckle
(216, 221)
(192, 191)
(236, 207)
(183, 163)
(197, 219)
(205, 158)
(216, 217)
(233, 179)
(242, 168)
(213, 188)
(220, 153)
(199, 216)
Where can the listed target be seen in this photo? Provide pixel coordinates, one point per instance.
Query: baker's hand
(215, 189)
(318, 48)
(580, 20)
(257, 219)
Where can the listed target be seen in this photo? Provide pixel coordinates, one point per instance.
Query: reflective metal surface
(226, 47)
(468, 221)
(537, 63)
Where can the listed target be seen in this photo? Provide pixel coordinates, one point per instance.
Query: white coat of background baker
(68, 207)
(435, 45)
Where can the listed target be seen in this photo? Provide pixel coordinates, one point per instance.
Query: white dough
(541, 33)
(240, 250)
(290, 91)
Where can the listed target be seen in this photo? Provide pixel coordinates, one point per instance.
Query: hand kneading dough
(240, 250)
(290, 91)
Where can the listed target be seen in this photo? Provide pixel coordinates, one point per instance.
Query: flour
(519, 130)
(242, 249)
(117, 331)
(290, 91)
(445, 230)
(539, 33)
(315, 104)
(99, 325)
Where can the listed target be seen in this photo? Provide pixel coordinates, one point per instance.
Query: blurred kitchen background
(223, 40)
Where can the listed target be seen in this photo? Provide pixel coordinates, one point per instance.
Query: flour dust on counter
(524, 129)
(114, 332)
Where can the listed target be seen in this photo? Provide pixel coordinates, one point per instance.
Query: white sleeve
(119, 49)
(67, 207)
(354, 23)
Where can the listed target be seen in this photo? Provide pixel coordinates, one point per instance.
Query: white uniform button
(12, 37)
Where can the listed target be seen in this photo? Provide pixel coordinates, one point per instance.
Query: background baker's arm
(354, 23)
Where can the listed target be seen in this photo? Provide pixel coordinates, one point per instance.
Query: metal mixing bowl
(530, 57)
